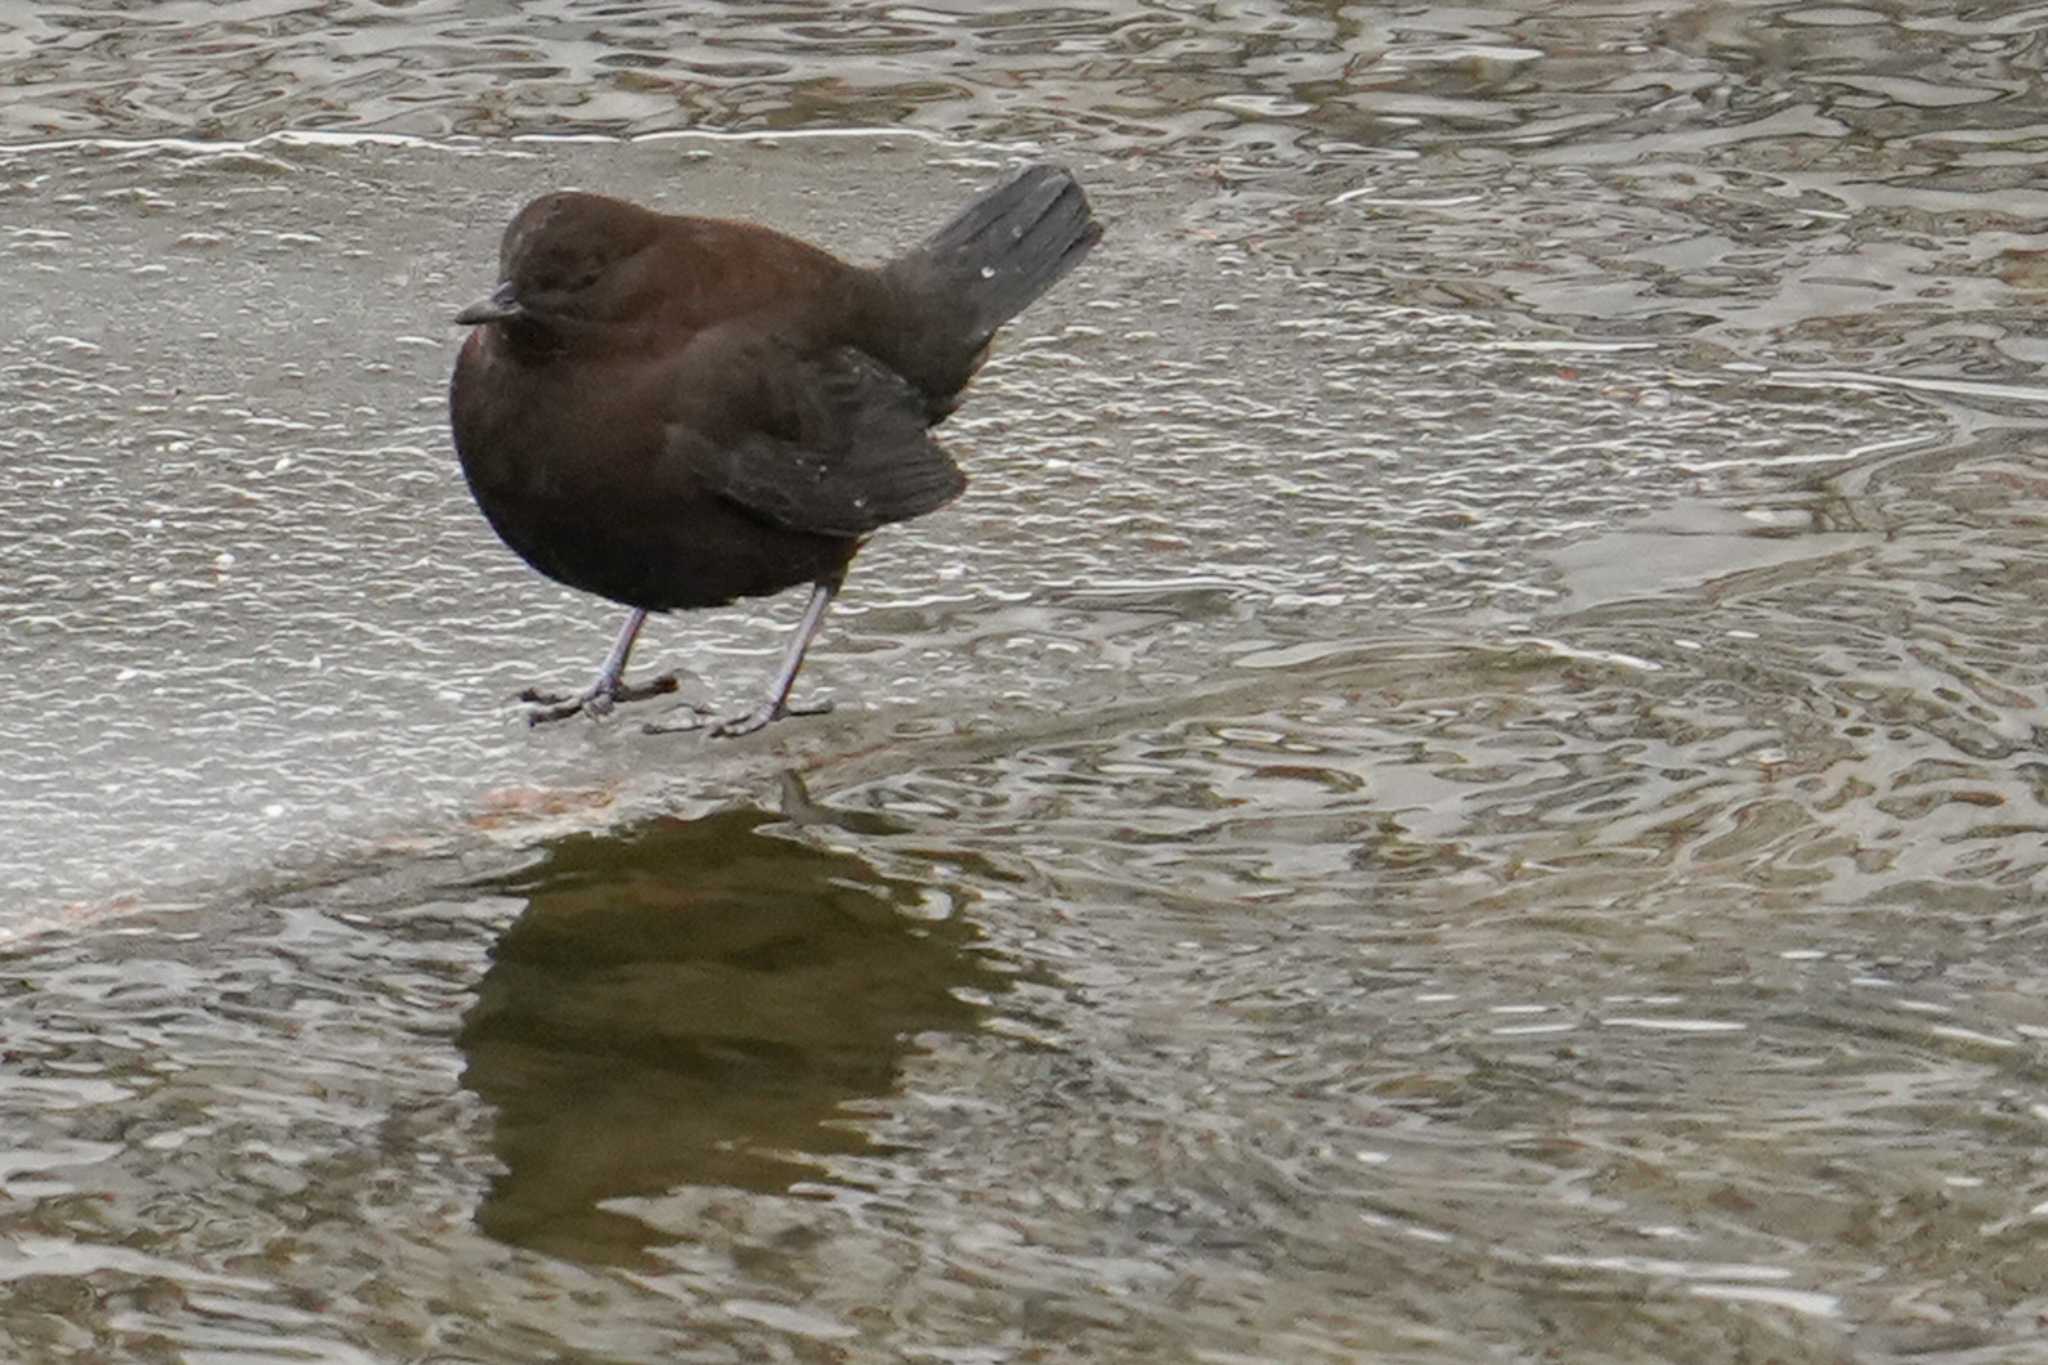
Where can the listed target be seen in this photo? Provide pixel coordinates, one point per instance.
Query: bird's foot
(762, 716)
(596, 700)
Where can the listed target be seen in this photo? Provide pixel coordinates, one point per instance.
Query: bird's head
(561, 263)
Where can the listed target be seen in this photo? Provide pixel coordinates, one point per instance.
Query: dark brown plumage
(675, 412)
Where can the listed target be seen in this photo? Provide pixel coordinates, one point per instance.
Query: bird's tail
(982, 269)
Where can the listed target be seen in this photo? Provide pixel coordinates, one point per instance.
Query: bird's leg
(777, 705)
(608, 689)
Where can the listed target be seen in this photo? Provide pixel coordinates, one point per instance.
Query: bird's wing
(834, 443)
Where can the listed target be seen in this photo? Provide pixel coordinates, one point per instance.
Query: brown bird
(675, 412)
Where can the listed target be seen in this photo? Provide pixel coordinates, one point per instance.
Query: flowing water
(1465, 783)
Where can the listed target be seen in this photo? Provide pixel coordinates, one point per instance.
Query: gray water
(1462, 785)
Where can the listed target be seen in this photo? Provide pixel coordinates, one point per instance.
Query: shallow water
(1464, 783)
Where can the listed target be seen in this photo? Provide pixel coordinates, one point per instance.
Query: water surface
(1463, 785)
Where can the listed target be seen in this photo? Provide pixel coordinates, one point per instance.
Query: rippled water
(1463, 785)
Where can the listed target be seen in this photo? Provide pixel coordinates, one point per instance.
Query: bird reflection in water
(697, 1002)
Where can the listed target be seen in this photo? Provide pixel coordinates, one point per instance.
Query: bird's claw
(560, 710)
(597, 701)
(762, 716)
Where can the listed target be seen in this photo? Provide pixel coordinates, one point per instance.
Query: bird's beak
(503, 304)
